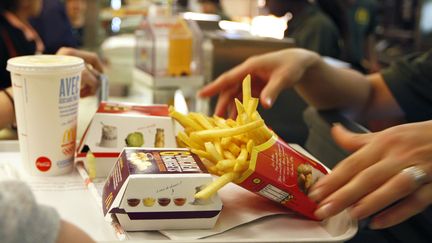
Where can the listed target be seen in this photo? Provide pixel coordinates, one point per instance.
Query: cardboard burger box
(118, 125)
(284, 175)
(153, 189)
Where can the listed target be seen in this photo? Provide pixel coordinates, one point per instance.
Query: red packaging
(282, 174)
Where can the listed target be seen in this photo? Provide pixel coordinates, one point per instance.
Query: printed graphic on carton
(281, 174)
(149, 194)
(119, 125)
(162, 161)
(154, 189)
(115, 181)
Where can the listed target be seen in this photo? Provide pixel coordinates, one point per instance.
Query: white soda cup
(46, 92)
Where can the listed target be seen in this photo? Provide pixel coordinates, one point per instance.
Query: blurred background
(113, 28)
(153, 48)
(137, 41)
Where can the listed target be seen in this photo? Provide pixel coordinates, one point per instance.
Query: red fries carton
(153, 189)
(282, 174)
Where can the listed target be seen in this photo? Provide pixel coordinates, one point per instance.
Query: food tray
(279, 228)
(287, 227)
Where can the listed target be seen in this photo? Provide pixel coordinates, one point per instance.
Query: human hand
(372, 178)
(271, 73)
(90, 80)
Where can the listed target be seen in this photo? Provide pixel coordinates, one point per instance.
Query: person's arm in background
(326, 87)
(7, 112)
(320, 84)
(89, 85)
(23, 220)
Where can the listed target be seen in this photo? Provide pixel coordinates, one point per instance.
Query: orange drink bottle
(180, 49)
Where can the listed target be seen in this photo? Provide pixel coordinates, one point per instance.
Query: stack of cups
(46, 92)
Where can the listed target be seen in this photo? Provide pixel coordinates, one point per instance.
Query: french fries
(225, 146)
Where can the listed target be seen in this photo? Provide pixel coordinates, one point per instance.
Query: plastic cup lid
(45, 64)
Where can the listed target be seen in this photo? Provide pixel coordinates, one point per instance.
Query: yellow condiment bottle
(180, 49)
(91, 165)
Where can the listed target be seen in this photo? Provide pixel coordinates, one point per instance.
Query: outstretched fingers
(408, 207)
(349, 140)
(228, 80)
(400, 185)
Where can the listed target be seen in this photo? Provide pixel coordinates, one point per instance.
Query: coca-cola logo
(43, 164)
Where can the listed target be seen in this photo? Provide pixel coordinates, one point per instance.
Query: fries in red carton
(245, 151)
(282, 174)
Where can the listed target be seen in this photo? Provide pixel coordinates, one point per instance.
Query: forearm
(327, 87)
(71, 233)
(7, 112)
(381, 104)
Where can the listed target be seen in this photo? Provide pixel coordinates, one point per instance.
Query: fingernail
(376, 224)
(268, 101)
(324, 211)
(354, 213)
(315, 194)
(321, 181)
(334, 124)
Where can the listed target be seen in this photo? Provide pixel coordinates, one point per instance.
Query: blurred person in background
(319, 26)
(54, 27)
(76, 11)
(362, 22)
(18, 38)
(213, 7)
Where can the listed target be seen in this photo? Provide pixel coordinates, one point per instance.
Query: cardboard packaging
(282, 174)
(119, 125)
(153, 189)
